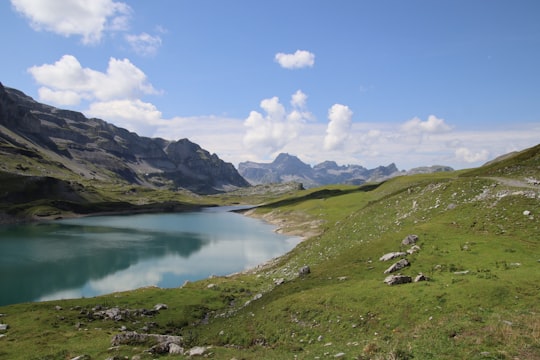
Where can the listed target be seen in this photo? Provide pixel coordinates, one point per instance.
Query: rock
(197, 351)
(409, 240)
(58, 307)
(391, 256)
(397, 266)
(304, 270)
(413, 249)
(132, 337)
(81, 357)
(465, 272)
(397, 279)
(526, 213)
(420, 277)
(279, 281)
(158, 307)
(339, 355)
(4, 327)
(176, 349)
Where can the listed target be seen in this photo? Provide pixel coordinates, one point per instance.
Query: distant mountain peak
(287, 167)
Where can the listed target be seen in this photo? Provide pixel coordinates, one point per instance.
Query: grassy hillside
(479, 245)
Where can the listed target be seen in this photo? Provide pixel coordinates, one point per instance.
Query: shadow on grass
(321, 194)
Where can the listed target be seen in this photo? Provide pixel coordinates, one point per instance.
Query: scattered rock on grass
(391, 256)
(420, 277)
(397, 279)
(409, 240)
(304, 270)
(397, 266)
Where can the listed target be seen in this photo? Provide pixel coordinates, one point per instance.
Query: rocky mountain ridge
(38, 139)
(288, 167)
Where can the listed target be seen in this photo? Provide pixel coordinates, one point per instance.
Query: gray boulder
(397, 266)
(392, 255)
(397, 279)
(304, 270)
(421, 277)
(409, 240)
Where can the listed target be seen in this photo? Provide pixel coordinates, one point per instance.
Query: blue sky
(420, 82)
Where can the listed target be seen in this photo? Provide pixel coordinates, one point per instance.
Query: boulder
(197, 351)
(304, 270)
(421, 277)
(397, 279)
(391, 256)
(3, 327)
(397, 266)
(413, 249)
(158, 307)
(409, 240)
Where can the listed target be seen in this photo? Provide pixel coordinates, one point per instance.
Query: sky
(366, 82)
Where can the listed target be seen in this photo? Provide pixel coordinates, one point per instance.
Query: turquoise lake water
(90, 256)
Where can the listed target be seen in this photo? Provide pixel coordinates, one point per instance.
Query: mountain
(41, 140)
(290, 168)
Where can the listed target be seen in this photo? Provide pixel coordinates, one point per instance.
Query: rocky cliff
(41, 140)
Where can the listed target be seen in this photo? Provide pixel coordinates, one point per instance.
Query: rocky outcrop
(94, 149)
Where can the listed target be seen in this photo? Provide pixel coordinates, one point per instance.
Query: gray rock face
(95, 149)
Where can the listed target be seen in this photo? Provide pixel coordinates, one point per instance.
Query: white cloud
(299, 99)
(432, 125)
(134, 115)
(469, 156)
(300, 59)
(89, 19)
(338, 129)
(66, 81)
(144, 44)
(270, 133)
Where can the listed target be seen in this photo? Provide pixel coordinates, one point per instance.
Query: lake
(90, 256)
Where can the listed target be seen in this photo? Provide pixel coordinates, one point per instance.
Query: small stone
(279, 281)
(58, 307)
(4, 327)
(197, 351)
(526, 213)
(304, 270)
(409, 240)
(397, 279)
(339, 355)
(158, 307)
(176, 349)
(420, 277)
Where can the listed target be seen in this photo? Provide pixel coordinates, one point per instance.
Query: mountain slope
(37, 139)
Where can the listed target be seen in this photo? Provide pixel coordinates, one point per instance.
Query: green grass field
(479, 239)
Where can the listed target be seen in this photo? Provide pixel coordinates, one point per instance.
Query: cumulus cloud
(144, 44)
(66, 82)
(300, 59)
(132, 114)
(338, 129)
(432, 125)
(89, 19)
(469, 156)
(271, 132)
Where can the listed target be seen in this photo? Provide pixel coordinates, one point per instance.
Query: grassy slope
(465, 223)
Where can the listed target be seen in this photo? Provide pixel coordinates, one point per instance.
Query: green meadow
(479, 238)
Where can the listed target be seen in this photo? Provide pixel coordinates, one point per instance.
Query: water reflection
(91, 256)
